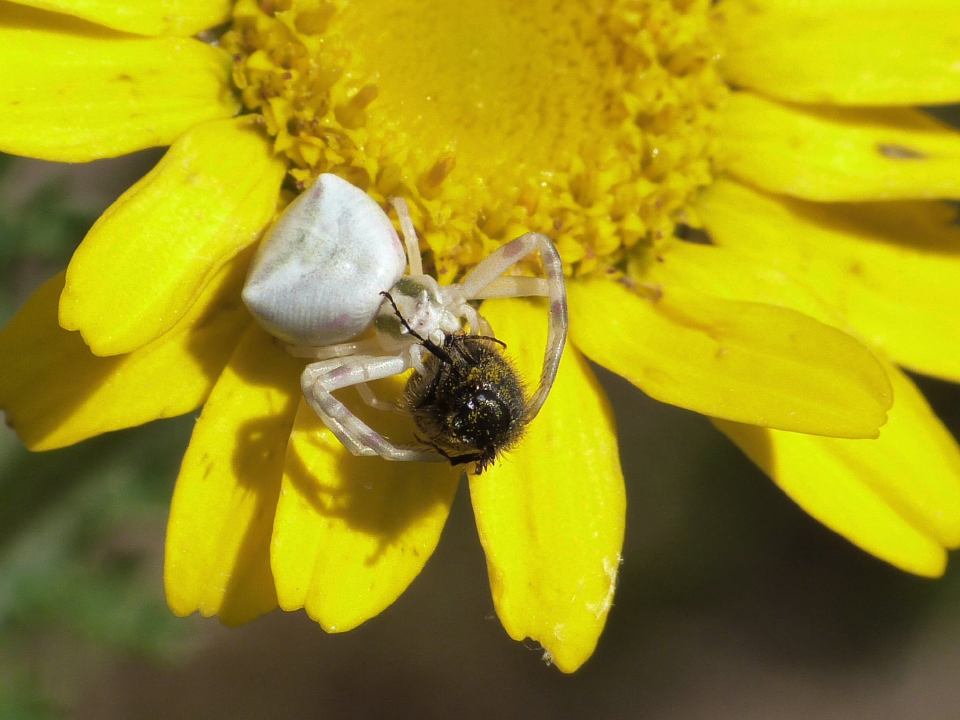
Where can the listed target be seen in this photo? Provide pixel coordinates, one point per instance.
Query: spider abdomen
(319, 271)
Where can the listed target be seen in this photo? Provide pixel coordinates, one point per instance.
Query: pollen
(592, 123)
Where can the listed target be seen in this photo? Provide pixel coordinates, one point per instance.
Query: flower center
(593, 125)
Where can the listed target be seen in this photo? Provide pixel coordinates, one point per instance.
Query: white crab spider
(332, 266)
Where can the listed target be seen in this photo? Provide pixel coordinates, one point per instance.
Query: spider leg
(514, 286)
(370, 398)
(417, 355)
(488, 276)
(325, 352)
(320, 379)
(478, 324)
(409, 235)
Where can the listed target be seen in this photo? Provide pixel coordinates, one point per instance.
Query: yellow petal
(144, 17)
(218, 537)
(727, 274)
(902, 53)
(75, 92)
(741, 361)
(55, 393)
(897, 497)
(550, 513)
(146, 259)
(823, 153)
(888, 270)
(351, 533)
(910, 476)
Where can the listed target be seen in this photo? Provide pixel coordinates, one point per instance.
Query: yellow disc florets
(589, 122)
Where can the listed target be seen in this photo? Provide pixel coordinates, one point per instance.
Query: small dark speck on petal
(698, 236)
(899, 152)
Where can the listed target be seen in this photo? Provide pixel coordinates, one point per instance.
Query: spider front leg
(410, 239)
(320, 379)
(370, 398)
(486, 280)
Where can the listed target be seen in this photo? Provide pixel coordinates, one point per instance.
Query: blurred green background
(732, 603)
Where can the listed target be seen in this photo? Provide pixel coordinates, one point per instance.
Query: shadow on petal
(351, 533)
(257, 468)
(56, 393)
(221, 519)
(372, 496)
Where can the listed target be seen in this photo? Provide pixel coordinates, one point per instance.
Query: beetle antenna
(428, 344)
(498, 341)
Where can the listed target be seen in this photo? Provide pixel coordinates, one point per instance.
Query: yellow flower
(614, 129)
